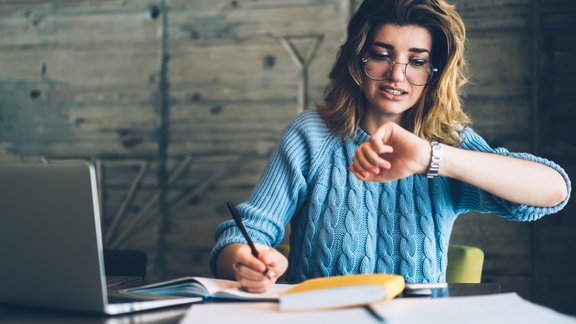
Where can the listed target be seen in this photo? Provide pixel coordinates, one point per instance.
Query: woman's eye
(380, 57)
(418, 63)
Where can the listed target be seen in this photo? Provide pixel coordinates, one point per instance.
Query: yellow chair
(464, 263)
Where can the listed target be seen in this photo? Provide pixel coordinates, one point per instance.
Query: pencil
(240, 224)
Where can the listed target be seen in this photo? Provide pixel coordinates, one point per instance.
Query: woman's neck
(371, 122)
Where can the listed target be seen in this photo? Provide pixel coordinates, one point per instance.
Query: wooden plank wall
(521, 99)
(234, 87)
(555, 247)
(498, 101)
(191, 96)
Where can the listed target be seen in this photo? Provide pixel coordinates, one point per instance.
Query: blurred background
(180, 102)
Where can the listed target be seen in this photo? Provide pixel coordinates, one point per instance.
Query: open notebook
(207, 288)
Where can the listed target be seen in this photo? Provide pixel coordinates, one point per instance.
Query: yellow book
(341, 291)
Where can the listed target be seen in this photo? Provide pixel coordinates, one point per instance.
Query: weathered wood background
(180, 102)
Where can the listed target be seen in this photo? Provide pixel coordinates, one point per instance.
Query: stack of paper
(493, 309)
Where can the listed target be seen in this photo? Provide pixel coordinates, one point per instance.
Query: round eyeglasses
(378, 67)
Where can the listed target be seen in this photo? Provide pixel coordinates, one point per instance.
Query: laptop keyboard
(123, 300)
(123, 281)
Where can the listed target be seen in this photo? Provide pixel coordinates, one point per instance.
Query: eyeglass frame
(432, 70)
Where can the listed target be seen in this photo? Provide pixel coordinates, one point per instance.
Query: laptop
(51, 251)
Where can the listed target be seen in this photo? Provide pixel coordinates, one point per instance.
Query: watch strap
(436, 159)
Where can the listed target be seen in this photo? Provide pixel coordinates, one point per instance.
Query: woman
(373, 180)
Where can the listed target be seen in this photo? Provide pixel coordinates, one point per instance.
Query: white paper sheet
(253, 313)
(493, 309)
(502, 308)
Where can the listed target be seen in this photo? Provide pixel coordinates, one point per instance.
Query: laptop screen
(50, 240)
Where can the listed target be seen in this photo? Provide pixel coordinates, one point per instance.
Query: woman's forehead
(402, 37)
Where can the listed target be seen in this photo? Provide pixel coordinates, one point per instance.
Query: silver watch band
(434, 167)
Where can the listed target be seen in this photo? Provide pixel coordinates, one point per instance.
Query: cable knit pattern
(387, 227)
(367, 262)
(341, 225)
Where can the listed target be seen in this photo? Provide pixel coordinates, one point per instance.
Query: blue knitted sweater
(342, 225)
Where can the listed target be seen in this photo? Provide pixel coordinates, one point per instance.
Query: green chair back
(464, 264)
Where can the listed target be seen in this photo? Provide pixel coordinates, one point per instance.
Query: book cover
(341, 291)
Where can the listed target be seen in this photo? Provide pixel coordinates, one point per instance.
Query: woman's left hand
(391, 153)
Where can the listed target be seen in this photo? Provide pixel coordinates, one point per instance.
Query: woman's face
(388, 99)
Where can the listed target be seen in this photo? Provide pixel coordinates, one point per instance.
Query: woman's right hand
(237, 262)
(391, 153)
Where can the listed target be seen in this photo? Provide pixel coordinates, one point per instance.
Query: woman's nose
(397, 72)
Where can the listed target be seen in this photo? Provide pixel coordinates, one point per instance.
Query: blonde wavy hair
(438, 113)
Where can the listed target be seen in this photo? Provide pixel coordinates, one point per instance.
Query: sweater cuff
(536, 213)
(532, 213)
(224, 238)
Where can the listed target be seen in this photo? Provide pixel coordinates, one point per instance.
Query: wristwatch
(434, 167)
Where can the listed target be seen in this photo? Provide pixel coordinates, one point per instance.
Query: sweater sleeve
(278, 194)
(468, 197)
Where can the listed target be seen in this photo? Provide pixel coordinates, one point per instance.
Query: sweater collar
(361, 136)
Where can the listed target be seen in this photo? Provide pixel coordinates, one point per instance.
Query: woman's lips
(392, 93)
